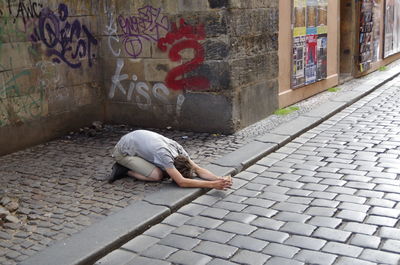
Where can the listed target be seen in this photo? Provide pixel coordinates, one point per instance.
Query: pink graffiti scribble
(191, 35)
(149, 25)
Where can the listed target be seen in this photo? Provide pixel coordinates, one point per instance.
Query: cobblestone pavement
(331, 196)
(59, 184)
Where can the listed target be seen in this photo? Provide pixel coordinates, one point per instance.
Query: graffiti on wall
(179, 38)
(24, 93)
(26, 10)
(65, 42)
(149, 26)
(19, 103)
(111, 32)
(141, 92)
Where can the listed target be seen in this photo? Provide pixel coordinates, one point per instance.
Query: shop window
(309, 24)
(392, 27)
(369, 37)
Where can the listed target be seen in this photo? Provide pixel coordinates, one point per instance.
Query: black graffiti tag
(66, 42)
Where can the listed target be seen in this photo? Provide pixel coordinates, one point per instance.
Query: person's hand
(223, 183)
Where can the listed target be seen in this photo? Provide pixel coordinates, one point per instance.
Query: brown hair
(182, 164)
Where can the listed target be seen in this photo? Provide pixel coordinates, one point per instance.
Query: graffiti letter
(111, 29)
(192, 34)
(117, 78)
(143, 90)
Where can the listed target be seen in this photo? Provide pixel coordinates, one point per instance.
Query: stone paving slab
(246, 155)
(326, 219)
(99, 238)
(63, 197)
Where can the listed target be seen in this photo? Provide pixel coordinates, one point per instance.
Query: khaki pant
(134, 163)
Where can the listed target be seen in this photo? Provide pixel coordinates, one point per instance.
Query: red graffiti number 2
(190, 35)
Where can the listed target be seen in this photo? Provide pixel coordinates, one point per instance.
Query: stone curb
(101, 238)
(98, 239)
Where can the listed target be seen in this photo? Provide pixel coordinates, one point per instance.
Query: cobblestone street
(330, 196)
(60, 188)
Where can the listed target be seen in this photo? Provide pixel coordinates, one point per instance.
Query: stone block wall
(49, 71)
(207, 65)
(202, 65)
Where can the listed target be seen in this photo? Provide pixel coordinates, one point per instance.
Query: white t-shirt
(151, 146)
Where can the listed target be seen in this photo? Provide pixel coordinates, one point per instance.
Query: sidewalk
(329, 196)
(70, 200)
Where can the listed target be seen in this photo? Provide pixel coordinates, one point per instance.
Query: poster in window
(392, 27)
(312, 10)
(322, 13)
(322, 56)
(376, 31)
(310, 19)
(299, 44)
(366, 45)
(311, 59)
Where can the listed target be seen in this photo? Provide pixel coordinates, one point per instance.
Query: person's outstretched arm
(204, 173)
(218, 183)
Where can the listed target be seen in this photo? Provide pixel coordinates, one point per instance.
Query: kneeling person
(146, 155)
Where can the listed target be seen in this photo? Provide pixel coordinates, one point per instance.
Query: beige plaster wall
(288, 96)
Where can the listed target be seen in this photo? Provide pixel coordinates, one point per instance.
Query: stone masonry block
(83, 95)
(15, 56)
(254, 109)
(243, 46)
(189, 6)
(27, 107)
(60, 99)
(218, 3)
(205, 111)
(134, 48)
(253, 4)
(254, 21)
(157, 69)
(156, 53)
(217, 73)
(257, 68)
(216, 49)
